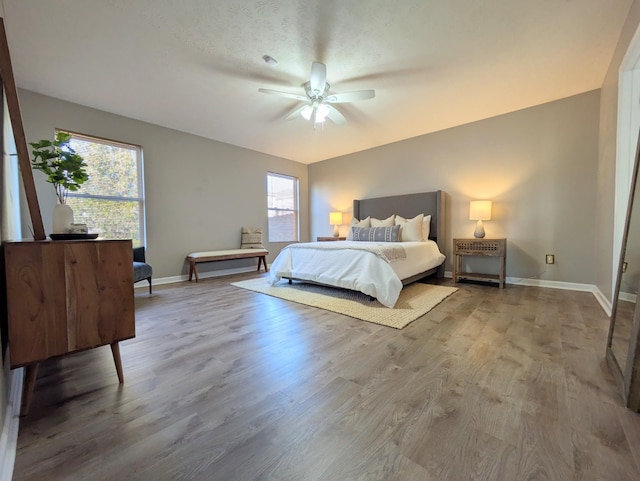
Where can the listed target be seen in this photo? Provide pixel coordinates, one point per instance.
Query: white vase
(62, 218)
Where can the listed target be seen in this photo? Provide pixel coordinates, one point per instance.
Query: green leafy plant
(64, 168)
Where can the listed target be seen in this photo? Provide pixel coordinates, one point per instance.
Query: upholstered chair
(141, 270)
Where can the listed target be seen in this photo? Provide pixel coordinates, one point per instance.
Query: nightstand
(330, 239)
(479, 247)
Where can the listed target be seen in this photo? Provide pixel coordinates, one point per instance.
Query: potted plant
(65, 169)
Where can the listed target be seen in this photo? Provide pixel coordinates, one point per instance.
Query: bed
(377, 269)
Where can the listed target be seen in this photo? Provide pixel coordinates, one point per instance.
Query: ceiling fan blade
(286, 95)
(318, 79)
(335, 116)
(295, 113)
(351, 96)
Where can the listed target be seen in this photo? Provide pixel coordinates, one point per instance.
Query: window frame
(140, 171)
(295, 210)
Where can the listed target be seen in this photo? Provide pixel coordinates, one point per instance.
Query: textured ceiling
(196, 65)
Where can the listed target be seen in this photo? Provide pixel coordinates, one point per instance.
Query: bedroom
(540, 165)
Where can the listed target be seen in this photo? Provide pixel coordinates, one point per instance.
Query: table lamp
(479, 210)
(335, 219)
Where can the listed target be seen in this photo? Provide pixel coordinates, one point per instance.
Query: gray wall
(199, 192)
(538, 165)
(607, 155)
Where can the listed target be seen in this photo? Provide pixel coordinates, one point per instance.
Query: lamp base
(479, 232)
(336, 231)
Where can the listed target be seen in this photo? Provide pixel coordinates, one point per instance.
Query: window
(282, 208)
(111, 202)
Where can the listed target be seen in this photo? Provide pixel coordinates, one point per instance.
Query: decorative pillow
(426, 227)
(357, 223)
(376, 234)
(383, 223)
(410, 229)
(251, 238)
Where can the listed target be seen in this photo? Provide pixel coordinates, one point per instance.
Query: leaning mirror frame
(626, 371)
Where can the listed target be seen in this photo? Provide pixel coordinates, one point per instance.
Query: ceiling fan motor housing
(314, 94)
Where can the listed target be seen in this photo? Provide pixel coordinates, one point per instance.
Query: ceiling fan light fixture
(307, 112)
(322, 111)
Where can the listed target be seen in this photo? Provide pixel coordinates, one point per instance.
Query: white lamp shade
(480, 210)
(335, 218)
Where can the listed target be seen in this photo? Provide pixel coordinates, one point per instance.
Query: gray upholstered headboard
(408, 205)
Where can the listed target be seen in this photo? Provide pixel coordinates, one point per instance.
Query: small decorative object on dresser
(65, 169)
(479, 247)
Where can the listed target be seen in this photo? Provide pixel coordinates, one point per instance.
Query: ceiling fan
(318, 100)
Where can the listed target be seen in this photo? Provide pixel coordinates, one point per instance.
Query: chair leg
(149, 279)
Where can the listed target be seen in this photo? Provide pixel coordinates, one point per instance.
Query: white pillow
(426, 227)
(410, 229)
(388, 222)
(357, 223)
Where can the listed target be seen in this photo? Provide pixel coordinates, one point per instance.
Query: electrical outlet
(550, 259)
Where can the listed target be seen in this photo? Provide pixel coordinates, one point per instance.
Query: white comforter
(353, 269)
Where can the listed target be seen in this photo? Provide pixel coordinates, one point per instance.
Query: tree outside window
(111, 202)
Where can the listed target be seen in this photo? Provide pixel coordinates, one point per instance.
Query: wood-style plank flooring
(227, 384)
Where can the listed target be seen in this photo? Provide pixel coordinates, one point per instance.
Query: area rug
(415, 300)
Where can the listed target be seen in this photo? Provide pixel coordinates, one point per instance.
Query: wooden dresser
(64, 297)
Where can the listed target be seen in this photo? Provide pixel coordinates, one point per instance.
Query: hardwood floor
(227, 384)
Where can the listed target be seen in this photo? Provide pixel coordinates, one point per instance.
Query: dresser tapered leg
(27, 388)
(115, 349)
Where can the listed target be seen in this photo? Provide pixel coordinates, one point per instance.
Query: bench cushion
(230, 252)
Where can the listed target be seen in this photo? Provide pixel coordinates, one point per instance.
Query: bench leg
(193, 269)
(262, 260)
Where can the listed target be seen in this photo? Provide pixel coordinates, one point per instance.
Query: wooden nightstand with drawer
(479, 247)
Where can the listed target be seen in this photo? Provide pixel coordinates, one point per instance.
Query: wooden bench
(211, 256)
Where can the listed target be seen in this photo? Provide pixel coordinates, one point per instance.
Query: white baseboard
(602, 300)
(571, 286)
(9, 434)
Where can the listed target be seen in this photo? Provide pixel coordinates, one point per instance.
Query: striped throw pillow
(376, 234)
